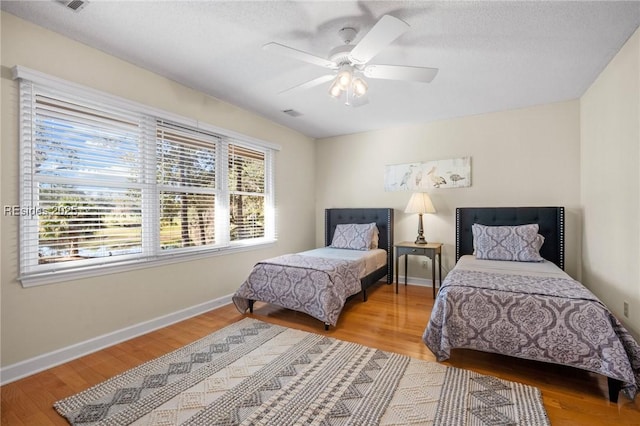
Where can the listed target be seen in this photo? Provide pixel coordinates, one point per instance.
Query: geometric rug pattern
(256, 373)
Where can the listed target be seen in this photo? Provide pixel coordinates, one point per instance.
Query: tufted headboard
(383, 218)
(549, 219)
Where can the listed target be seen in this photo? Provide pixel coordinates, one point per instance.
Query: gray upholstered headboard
(549, 219)
(383, 218)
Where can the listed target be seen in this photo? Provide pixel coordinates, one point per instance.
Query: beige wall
(41, 319)
(526, 157)
(610, 184)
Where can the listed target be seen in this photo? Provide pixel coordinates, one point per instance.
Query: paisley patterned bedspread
(532, 314)
(317, 286)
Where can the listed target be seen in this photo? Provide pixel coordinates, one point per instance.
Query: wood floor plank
(10, 419)
(389, 321)
(18, 404)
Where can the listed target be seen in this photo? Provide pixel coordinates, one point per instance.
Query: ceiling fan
(350, 63)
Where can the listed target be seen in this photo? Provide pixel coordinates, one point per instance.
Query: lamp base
(420, 240)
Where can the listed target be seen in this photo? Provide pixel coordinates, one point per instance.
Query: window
(110, 184)
(187, 187)
(247, 192)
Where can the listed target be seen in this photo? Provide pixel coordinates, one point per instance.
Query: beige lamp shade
(420, 202)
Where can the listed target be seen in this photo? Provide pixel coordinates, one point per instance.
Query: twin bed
(507, 294)
(526, 307)
(357, 254)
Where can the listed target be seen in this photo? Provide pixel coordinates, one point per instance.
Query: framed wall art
(453, 173)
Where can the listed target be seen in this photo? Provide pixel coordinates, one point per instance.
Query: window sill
(51, 277)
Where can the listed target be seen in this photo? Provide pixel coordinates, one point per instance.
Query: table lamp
(420, 203)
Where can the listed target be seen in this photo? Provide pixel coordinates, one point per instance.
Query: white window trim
(67, 272)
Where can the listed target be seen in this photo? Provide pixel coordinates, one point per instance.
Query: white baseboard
(416, 281)
(34, 365)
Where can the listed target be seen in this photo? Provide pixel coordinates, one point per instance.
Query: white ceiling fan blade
(401, 72)
(386, 30)
(311, 83)
(300, 55)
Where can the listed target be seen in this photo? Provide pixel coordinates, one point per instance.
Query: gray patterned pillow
(517, 243)
(354, 236)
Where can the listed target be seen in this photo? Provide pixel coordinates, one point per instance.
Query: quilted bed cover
(533, 311)
(317, 286)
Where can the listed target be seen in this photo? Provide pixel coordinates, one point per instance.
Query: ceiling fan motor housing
(340, 54)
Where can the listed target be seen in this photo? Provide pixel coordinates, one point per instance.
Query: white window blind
(104, 186)
(247, 180)
(187, 185)
(82, 169)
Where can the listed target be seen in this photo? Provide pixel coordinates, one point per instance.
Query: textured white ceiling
(492, 56)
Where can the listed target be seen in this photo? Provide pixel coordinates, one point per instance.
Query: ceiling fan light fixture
(345, 75)
(360, 86)
(335, 90)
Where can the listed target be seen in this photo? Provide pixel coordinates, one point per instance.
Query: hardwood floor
(389, 321)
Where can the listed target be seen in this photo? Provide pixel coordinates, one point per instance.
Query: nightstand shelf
(431, 250)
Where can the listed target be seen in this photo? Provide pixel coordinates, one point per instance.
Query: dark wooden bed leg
(364, 294)
(614, 389)
(326, 326)
(251, 305)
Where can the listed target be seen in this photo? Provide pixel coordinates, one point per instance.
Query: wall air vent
(292, 112)
(75, 5)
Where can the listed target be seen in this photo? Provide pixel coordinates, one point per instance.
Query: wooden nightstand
(432, 250)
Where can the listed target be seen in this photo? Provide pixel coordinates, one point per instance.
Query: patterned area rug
(255, 373)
